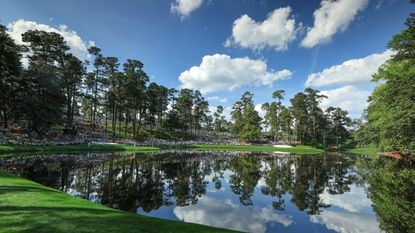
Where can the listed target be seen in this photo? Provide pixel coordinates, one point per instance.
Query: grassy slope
(298, 149)
(26, 206)
(75, 148)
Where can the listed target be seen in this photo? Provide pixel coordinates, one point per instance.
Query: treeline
(56, 87)
(389, 120)
(304, 122)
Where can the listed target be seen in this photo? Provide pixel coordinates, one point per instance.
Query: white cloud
(217, 98)
(259, 109)
(354, 71)
(346, 222)
(214, 98)
(353, 201)
(275, 32)
(221, 72)
(227, 214)
(78, 47)
(349, 98)
(185, 7)
(379, 4)
(333, 16)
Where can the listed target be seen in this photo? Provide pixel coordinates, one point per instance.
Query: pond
(251, 192)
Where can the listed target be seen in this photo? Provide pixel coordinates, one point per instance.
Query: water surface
(252, 192)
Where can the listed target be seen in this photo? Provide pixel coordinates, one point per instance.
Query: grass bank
(370, 150)
(26, 206)
(75, 148)
(299, 149)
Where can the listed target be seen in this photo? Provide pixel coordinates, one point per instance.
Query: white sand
(283, 146)
(280, 152)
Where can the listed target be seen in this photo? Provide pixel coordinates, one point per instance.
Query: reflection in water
(347, 222)
(248, 192)
(392, 191)
(229, 214)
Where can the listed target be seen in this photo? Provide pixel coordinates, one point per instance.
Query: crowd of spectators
(86, 135)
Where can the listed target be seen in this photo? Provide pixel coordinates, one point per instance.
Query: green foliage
(246, 173)
(220, 122)
(189, 111)
(271, 118)
(313, 126)
(391, 111)
(336, 123)
(299, 112)
(43, 100)
(56, 87)
(143, 134)
(247, 122)
(316, 116)
(286, 121)
(10, 70)
(392, 191)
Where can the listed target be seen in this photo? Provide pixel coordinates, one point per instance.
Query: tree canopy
(391, 112)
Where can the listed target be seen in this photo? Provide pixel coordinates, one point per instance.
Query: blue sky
(272, 44)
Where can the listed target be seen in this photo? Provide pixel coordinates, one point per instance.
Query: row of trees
(390, 118)
(56, 86)
(303, 122)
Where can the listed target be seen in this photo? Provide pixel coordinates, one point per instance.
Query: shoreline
(76, 148)
(300, 149)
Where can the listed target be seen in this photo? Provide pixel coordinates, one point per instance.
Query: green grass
(26, 206)
(75, 148)
(299, 149)
(370, 150)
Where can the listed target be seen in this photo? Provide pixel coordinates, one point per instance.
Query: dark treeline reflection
(131, 181)
(392, 191)
(180, 178)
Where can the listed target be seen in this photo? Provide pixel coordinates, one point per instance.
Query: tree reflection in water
(180, 178)
(392, 191)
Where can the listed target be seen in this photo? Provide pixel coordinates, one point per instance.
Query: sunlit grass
(26, 206)
(369, 150)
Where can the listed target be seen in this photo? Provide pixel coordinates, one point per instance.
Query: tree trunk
(68, 113)
(114, 122)
(106, 118)
(5, 120)
(134, 124)
(73, 106)
(125, 125)
(119, 124)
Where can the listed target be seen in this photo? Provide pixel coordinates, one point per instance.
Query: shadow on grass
(77, 219)
(12, 189)
(29, 207)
